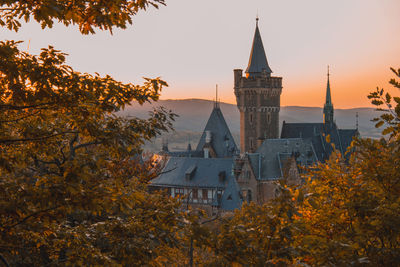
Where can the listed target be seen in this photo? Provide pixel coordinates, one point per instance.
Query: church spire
(258, 60)
(328, 100)
(328, 106)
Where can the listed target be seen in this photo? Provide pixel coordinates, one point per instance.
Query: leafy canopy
(88, 15)
(74, 186)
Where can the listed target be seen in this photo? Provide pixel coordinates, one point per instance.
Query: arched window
(249, 196)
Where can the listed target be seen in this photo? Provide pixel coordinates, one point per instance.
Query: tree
(74, 188)
(345, 213)
(87, 14)
(257, 235)
(391, 115)
(350, 214)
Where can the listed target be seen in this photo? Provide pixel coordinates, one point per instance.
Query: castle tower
(328, 106)
(258, 98)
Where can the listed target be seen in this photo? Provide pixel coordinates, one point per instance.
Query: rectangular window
(178, 191)
(210, 194)
(204, 194)
(172, 192)
(194, 193)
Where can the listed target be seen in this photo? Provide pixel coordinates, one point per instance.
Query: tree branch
(4, 260)
(30, 216)
(20, 118)
(7, 141)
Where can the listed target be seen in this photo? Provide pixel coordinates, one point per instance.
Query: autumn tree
(258, 235)
(346, 213)
(88, 15)
(74, 188)
(350, 215)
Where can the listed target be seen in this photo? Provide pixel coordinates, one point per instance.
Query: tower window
(269, 117)
(251, 143)
(251, 118)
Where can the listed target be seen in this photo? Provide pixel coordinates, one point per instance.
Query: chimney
(206, 153)
(208, 137)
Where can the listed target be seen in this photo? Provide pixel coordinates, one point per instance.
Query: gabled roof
(274, 153)
(346, 136)
(258, 60)
(231, 199)
(203, 172)
(186, 153)
(316, 133)
(221, 140)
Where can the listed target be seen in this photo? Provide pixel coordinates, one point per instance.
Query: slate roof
(205, 175)
(202, 173)
(231, 198)
(275, 152)
(258, 60)
(222, 140)
(316, 133)
(186, 153)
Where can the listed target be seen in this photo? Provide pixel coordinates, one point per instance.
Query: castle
(218, 176)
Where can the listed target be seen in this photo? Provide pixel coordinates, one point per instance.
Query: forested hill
(194, 113)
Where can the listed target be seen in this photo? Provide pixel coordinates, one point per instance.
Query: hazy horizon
(321, 106)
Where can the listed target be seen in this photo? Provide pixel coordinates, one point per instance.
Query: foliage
(345, 213)
(256, 235)
(391, 116)
(88, 15)
(73, 186)
(350, 215)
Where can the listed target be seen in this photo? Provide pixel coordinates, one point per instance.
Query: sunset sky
(194, 45)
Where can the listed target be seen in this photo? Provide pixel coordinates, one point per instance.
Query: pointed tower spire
(328, 91)
(258, 60)
(328, 106)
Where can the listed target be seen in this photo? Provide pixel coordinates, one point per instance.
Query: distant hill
(194, 113)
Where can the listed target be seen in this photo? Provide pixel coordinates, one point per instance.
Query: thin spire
(328, 91)
(328, 106)
(258, 60)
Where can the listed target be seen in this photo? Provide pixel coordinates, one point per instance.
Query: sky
(194, 45)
